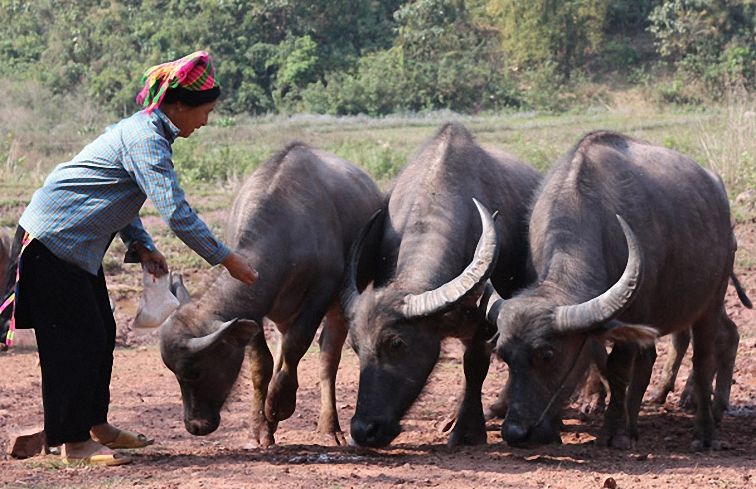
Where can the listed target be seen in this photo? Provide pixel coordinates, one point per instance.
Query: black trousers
(69, 310)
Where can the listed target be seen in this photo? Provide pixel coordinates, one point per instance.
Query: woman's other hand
(238, 267)
(153, 261)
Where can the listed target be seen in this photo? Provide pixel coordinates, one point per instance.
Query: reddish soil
(145, 396)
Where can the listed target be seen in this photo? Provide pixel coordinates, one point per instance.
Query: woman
(69, 225)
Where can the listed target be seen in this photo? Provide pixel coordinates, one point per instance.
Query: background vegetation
(379, 57)
(370, 80)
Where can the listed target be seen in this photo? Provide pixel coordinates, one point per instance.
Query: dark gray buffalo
(662, 267)
(430, 244)
(294, 219)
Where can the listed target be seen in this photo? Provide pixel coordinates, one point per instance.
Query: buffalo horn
(196, 345)
(349, 292)
(480, 268)
(490, 303)
(585, 316)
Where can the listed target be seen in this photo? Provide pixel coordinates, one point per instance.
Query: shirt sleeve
(149, 162)
(133, 233)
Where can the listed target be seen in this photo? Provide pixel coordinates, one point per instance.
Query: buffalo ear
(629, 333)
(240, 331)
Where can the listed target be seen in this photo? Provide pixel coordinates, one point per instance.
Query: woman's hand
(153, 261)
(238, 267)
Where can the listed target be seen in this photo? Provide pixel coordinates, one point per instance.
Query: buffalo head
(206, 367)
(397, 335)
(543, 338)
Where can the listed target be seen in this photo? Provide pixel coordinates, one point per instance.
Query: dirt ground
(145, 397)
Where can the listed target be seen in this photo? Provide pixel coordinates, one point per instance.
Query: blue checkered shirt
(89, 199)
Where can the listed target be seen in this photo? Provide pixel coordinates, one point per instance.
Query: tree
(710, 39)
(541, 31)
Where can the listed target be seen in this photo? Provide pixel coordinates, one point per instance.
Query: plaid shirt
(85, 201)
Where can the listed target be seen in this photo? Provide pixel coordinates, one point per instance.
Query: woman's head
(185, 89)
(187, 117)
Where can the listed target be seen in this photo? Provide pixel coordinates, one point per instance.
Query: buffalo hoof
(659, 396)
(688, 401)
(592, 405)
(717, 411)
(282, 397)
(497, 410)
(260, 443)
(262, 435)
(716, 445)
(447, 424)
(333, 439)
(621, 441)
(461, 436)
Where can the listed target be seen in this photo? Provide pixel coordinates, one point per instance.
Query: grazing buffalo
(662, 267)
(430, 244)
(294, 219)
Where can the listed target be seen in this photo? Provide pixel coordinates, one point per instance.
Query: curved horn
(196, 345)
(479, 269)
(349, 292)
(608, 305)
(490, 303)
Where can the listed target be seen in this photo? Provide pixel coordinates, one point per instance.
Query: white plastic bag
(157, 302)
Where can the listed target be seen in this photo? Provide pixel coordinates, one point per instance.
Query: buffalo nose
(514, 432)
(366, 432)
(199, 427)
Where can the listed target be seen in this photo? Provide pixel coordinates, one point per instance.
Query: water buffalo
(294, 219)
(662, 267)
(429, 244)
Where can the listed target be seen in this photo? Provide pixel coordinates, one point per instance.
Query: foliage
(710, 40)
(540, 31)
(440, 59)
(366, 56)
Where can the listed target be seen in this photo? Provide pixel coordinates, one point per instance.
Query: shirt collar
(171, 129)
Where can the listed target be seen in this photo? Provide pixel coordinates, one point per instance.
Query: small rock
(610, 483)
(642, 457)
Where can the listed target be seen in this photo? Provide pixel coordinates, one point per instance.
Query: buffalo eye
(393, 345)
(543, 355)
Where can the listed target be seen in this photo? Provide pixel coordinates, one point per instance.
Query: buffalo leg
(470, 428)
(727, 348)
(618, 366)
(704, 367)
(643, 365)
(282, 392)
(592, 399)
(688, 395)
(499, 407)
(261, 369)
(332, 339)
(680, 341)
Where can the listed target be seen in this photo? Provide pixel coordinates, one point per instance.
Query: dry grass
(731, 150)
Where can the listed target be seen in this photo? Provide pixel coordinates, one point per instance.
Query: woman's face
(188, 118)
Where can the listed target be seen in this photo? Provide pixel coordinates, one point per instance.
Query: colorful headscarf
(194, 72)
